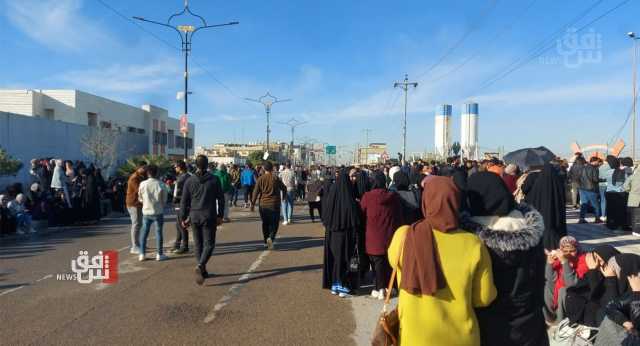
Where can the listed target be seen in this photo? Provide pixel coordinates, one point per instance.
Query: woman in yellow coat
(443, 273)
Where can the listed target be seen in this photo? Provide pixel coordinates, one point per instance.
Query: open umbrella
(529, 157)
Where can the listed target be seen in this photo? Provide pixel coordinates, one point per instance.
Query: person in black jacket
(182, 234)
(513, 235)
(202, 208)
(590, 190)
(625, 311)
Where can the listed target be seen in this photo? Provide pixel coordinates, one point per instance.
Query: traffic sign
(184, 124)
(330, 149)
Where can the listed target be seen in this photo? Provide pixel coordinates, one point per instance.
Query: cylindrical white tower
(469, 131)
(443, 130)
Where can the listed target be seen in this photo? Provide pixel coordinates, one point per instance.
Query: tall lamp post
(633, 36)
(268, 100)
(292, 123)
(185, 32)
(404, 85)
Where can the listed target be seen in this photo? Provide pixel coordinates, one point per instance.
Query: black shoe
(598, 220)
(582, 221)
(199, 275)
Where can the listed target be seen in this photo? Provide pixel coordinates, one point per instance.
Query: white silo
(469, 131)
(443, 130)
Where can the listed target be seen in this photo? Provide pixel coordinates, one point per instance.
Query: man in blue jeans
(153, 195)
(288, 178)
(589, 190)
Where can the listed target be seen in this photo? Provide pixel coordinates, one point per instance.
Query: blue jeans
(23, 220)
(603, 200)
(586, 198)
(147, 220)
(287, 205)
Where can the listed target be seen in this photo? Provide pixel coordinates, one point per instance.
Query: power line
(461, 40)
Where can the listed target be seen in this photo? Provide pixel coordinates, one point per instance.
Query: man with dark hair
(589, 190)
(182, 234)
(288, 178)
(268, 189)
(202, 207)
(153, 196)
(134, 207)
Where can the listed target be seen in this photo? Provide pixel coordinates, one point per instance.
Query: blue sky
(338, 60)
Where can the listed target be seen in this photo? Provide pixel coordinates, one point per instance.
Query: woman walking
(439, 288)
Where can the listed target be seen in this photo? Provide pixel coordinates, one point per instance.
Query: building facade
(372, 154)
(81, 108)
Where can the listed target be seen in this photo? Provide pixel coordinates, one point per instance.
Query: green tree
(8, 165)
(163, 163)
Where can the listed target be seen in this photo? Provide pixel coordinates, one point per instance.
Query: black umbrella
(529, 157)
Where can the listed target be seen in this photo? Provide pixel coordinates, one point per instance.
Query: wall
(26, 137)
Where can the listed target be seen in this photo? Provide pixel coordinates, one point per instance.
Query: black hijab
(340, 211)
(629, 265)
(488, 195)
(548, 196)
(363, 184)
(618, 174)
(379, 181)
(401, 181)
(605, 251)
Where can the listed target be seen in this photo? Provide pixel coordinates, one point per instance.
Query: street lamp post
(292, 123)
(633, 36)
(267, 100)
(186, 33)
(404, 85)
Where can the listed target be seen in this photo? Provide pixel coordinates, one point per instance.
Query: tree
(101, 146)
(164, 164)
(8, 165)
(455, 148)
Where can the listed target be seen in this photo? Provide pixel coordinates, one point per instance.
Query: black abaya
(547, 195)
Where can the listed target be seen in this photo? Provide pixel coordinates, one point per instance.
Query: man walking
(153, 196)
(589, 190)
(225, 182)
(289, 180)
(248, 181)
(182, 234)
(202, 207)
(134, 207)
(268, 189)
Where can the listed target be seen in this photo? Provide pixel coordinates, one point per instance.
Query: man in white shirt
(153, 195)
(288, 178)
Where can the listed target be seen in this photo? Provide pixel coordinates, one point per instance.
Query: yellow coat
(447, 318)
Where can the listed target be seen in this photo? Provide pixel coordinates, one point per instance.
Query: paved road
(258, 297)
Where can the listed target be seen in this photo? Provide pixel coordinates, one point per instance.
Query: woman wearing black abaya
(548, 197)
(615, 195)
(342, 221)
(410, 201)
(91, 196)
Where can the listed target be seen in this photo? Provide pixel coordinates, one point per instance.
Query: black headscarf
(618, 174)
(362, 184)
(548, 197)
(340, 211)
(488, 195)
(379, 181)
(629, 265)
(401, 181)
(605, 251)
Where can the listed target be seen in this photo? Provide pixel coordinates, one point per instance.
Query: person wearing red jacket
(382, 214)
(565, 266)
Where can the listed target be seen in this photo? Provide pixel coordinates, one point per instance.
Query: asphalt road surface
(257, 297)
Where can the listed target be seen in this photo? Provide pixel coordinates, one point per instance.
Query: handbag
(388, 328)
(354, 262)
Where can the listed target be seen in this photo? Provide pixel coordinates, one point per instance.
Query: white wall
(17, 101)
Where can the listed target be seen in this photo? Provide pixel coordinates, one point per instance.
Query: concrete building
(372, 154)
(81, 108)
(469, 131)
(443, 130)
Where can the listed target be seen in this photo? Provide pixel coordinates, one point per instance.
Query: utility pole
(268, 100)
(405, 86)
(633, 36)
(186, 33)
(366, 148)
(292, 123)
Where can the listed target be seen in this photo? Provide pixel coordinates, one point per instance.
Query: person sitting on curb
(19, 210)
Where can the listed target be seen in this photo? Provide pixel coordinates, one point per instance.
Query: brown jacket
(132, 191)
(268, 188)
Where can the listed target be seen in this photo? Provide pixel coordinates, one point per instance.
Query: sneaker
(342, 289)
(269, 244)
(598, 221)
(141, 257)
(381, 294)
(135, 250)
(582, 221)
(375, 294)
(342, 295)
(334, 289)
(199, 275)
(284, 223)
(179, 251)
(635, 234)
(161, 257)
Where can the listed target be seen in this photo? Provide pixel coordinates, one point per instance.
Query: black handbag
(354, 262)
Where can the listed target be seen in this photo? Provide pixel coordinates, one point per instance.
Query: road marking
(11, 290)
(235, 289)
(123, 248)
(45, 277)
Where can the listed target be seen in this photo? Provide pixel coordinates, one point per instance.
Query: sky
(544, 72)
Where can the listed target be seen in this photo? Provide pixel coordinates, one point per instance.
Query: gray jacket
(632, 186)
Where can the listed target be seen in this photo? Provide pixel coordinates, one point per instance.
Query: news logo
(103, 266)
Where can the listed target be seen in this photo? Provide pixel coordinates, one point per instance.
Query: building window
(172, 139)
(132, 129)
(92, 119)
(141, 131)
(180, 142)
(105, 124)
(49, 113)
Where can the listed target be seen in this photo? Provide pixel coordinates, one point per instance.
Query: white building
(469, 131)
(78, 107)
(443, 130)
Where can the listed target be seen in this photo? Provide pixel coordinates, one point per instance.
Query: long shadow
(269, 273)
(10, 286)
(282, 244)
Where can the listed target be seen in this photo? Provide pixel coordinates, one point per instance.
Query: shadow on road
(266, 274)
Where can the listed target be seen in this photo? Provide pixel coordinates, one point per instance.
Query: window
(49, 113)
(92, 119)
(141, 131)
(132, 129)
(179, 142)
(172, 139)
(105, 124)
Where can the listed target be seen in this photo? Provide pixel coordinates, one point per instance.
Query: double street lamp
(267, 100)
(185, 32)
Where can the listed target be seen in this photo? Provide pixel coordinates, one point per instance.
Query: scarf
(488, 195)
(422, 272)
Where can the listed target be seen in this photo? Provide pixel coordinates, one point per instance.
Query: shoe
(635, 234)
(161, 257)
(141, 257)
(199, 275)
(284, 223)
(334, 289)
(344, 290)
(205, 273)
(375, 294)
(342, 295)
(582, 221)
(226, 220)
(178, 251)
(269, 244)
(598, 221)
(33, 230)
(382, 294)
(135, 250)
(290, 222)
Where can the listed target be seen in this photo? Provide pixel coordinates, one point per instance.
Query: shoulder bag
(388, 328)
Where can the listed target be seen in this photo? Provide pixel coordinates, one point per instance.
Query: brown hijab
(421, 271)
